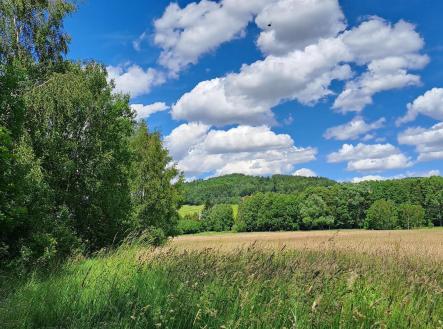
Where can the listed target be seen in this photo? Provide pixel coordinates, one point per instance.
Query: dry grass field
(422, 243)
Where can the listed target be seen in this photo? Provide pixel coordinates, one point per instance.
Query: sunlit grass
(191, 209)
(249, 287)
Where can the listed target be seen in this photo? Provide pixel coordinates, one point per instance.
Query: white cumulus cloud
(247, 97)
(186, 33)
(294, 24)
(144, 111)
(180, 141)
(244, 149)
(370, 157)
(133, 80)
(354, 129)
(389, 52)
(430, 104)
(428, 142)
(245, 139)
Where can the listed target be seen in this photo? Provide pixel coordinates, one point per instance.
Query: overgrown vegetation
(247, 288)
(78, 176)
(77, 173)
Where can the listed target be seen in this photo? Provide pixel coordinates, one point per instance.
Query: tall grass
(245, 288)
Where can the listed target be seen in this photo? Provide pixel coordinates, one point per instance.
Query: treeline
(394, 204)
(231, 188)
(77, 173)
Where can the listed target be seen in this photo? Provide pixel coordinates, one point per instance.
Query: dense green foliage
(231, 188)
(207, 218)
(72, 159)
(31, 48)
(382, 215)
(218, 218)
(410, 216)
(80, 134)
(247, 288)
(427, 192)
(406, 203)
(155, 199)
(190, 224)
(269, 212)
(33, 30)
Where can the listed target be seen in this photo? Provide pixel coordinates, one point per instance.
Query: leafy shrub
(382, 215)
(218, 218)
(190, 225)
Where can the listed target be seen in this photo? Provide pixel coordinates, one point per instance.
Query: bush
(410, 216)
(218, 218)
(190, 225)
(382, 215)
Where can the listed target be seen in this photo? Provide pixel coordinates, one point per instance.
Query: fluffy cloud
(385, 74)
(244, 149)
(133, 80)
(247, 97)
(429, 104)
(394, 161)
(361, 151)
(428, 142)
(245, 139)
(144, 111)
(304, 172)
(184, 137)
(389, 51)
(185, 34)
(353, 129)
(377, 39)
(208, 102)
(370, 157)
(294, 24)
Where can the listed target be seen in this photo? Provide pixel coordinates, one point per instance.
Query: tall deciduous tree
(32, 44)
(33, 30)
(410, 216)
(382, 215)
(155, 183)
(80, 132)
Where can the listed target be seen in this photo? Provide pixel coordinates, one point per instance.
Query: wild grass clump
(243, 288)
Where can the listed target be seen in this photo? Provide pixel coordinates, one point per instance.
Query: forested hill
(230, 188)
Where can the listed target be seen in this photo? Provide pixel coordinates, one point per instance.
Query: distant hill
(231, 188)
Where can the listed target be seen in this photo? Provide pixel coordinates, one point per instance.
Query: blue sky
(344, 89)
